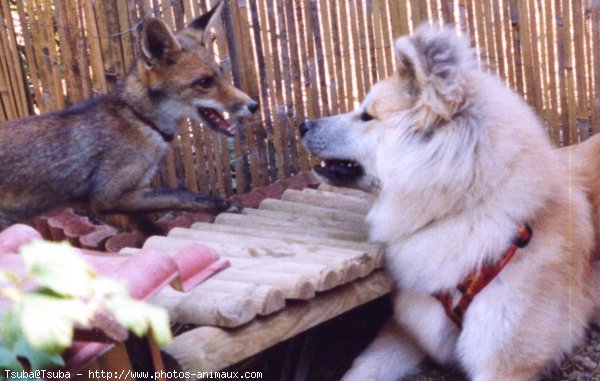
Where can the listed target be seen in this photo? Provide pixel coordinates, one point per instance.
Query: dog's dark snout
(253, 107)
(306, 126)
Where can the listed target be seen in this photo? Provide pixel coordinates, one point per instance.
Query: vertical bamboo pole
(595, 15)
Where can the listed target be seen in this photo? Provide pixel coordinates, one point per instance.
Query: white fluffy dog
(488, 229)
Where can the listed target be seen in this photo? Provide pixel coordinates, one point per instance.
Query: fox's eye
(205, 82)
(365, 116)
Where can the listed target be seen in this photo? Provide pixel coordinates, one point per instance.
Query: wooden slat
(207, 306)
(287, 215)
(327, 199)
(208, 348)
(293, 286)
(330, 266)
(297, 235)
(281, 226)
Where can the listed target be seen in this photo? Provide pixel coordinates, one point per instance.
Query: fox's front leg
(146, 200)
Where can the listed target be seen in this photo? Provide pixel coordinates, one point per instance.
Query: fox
(102, 154)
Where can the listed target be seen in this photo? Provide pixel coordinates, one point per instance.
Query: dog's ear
(435, 63)
(158, 44)
(199, 28)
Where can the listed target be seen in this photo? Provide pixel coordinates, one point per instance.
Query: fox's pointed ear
(199, 28)
(158, 44)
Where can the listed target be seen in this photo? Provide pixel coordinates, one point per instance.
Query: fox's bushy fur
(104, 152)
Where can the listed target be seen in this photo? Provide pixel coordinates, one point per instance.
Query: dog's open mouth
(216, 121)
(340, 172)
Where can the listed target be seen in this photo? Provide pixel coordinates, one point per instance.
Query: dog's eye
(365, 116)
(205, 82)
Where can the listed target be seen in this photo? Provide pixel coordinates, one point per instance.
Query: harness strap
(476, 281)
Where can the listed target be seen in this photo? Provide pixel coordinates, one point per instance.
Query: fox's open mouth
(340, 172)
(216, 121)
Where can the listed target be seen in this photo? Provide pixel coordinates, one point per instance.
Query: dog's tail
(436, 63)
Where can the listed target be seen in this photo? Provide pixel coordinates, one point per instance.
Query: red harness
(476, 281)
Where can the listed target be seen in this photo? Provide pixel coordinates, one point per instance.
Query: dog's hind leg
(391, 356)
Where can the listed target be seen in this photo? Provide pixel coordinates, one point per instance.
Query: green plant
(40, 323)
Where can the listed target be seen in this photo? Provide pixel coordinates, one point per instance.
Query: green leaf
(105, 287)
(161, 328)
(138, 317)
(38, 359)
(8, 360)
(57, 267)
(10, 328)
(47, 321)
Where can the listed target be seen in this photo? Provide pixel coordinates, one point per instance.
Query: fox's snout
(247, 108)
(253, 107)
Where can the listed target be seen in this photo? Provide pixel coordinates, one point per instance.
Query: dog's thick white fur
(458, 161)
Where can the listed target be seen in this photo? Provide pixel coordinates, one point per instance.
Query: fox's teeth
(323, 164)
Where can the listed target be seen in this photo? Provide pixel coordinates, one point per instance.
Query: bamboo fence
(300, 59)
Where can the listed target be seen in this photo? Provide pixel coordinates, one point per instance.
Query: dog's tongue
(216, 120)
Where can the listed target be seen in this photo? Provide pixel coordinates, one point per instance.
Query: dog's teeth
(322, 164)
